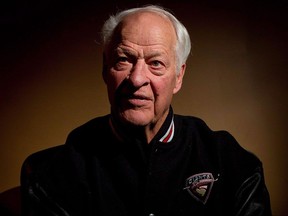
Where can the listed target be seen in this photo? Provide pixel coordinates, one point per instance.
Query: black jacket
(200, 172)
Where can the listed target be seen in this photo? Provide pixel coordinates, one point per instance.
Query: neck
(125, 131)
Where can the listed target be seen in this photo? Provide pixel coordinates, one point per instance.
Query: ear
(179, 79)
(104, 68)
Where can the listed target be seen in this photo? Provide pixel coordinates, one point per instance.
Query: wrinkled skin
(140, 72)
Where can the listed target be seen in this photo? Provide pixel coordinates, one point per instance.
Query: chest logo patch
(199, 186)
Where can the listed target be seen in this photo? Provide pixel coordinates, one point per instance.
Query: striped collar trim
(168, 136)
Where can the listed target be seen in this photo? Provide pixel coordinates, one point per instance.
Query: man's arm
(253, 197)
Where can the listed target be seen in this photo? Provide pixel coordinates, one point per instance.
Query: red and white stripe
(168, 136)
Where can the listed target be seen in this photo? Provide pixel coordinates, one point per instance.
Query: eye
(157, 67)
(121, 59)
(121, 63)
(155, 64)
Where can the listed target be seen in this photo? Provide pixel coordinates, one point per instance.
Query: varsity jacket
(187, 169)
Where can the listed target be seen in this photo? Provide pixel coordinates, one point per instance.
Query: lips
(139, 97)
(136, 99)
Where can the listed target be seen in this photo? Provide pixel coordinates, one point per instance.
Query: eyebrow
(132, 53)
(125, 51)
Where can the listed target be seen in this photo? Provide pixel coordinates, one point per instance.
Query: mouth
(137, 100)
(137, 97)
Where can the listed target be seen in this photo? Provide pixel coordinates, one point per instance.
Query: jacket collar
(164, 135)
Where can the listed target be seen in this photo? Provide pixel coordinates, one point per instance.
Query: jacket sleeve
(252, 197)
(34, 197)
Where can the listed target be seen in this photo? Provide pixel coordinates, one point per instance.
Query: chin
(136, 118)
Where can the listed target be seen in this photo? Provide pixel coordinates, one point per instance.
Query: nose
(138, 75)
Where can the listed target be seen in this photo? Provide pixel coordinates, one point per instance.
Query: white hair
(183, 44)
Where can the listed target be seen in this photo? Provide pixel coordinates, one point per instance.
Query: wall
(236, 79)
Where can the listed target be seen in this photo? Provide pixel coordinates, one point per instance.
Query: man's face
(141, 70)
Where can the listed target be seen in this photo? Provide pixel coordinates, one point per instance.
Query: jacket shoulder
(89, 132)
(38, 159)
(219, 144)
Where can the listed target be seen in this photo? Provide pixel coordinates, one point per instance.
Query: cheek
(112, 83)
(164, 89)
(114, 80)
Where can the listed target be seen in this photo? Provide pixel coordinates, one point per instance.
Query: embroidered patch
(199, 186)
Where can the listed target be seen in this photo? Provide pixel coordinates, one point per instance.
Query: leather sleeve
(34, 198)
(252, 198)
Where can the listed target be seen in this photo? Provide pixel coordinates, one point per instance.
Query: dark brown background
(50, 77)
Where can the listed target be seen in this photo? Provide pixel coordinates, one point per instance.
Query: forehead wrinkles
(146, 28)
(141, 51)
